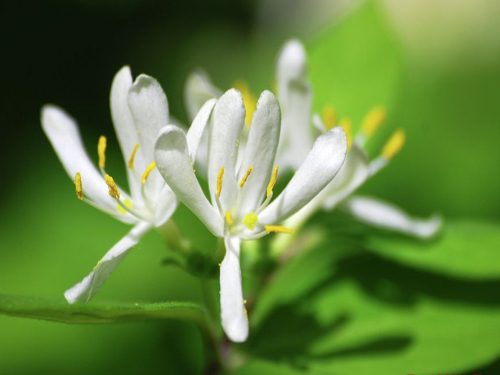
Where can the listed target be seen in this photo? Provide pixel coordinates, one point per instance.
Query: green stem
(173, 237)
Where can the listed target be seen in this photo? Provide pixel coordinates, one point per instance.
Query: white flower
(295, 96)
(240, 194)
(139, 110)
(297, 136)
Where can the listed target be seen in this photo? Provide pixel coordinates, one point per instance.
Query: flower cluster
(241, 164)
(300, 127)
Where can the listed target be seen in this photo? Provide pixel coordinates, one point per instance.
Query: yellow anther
(128, 203)
(112, 188)
(250, 220)
(148, 170)
(245, 177)
(101, 151)
(373, 120)
(394, 144)
(220, 176)
(329, 117)
(245, 301)
(347, 126)
(78, 186)
(272, 182)
(132, 157)
(249, 100)
(277, 229)
(229, 219)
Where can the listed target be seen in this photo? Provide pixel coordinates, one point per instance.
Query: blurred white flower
(139, 110)
(297, 137)
(295, 97)
(241, 193)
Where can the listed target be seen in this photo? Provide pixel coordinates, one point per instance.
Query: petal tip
(293, 59)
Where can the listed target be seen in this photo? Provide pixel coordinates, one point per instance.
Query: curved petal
(295, 95)
(90, 285)
(384, 215)
(320, 166)
(197, 91)
(228, 119)
(64, 136)
(354, 172)
(149, 107)
(174, 164)
(260, 151)
(233, 314)
(125, 128)
(196, 131)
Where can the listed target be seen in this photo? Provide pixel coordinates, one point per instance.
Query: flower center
(123, 206)
(250, 219)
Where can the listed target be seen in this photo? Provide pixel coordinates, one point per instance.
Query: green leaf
(356, 64)
(468, 249)
(259, 366)
(99, 313)
(371, 315)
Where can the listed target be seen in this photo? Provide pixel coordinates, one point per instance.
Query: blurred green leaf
(99, 313)
(259, 366)
(356, 64)
(467, 249)
(361, 313)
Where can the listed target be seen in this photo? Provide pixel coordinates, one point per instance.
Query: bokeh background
(435, 65)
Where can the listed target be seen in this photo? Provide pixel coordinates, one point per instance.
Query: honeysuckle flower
(295, 97)
(297, 136)
(240, 206)
(139, 110)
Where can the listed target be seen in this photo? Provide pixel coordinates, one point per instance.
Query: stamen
(132, 157)
(272, 182)
(329, 117)
(394, 144)
(277, 229)
(219, 206)
(148, 170)
(347, 126)
(249, 100)
(128, 203)
(220, 176)
(78, 186)
(101, 151)
(112, 188)
(229, 219)
(373, 120)
(250, 220)
(245, 177)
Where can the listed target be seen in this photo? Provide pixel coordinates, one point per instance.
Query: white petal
(260, 151)
(166, 204)
(234, 320)
(354, 172)
(125, 128)
(320, 166)
(64, 136)
(89, 286)
(292, 63)
(196, 131)
(197, 91)
(227, 122)
(149, 107)
(385, 215)
(295, 97)
(174, 164)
